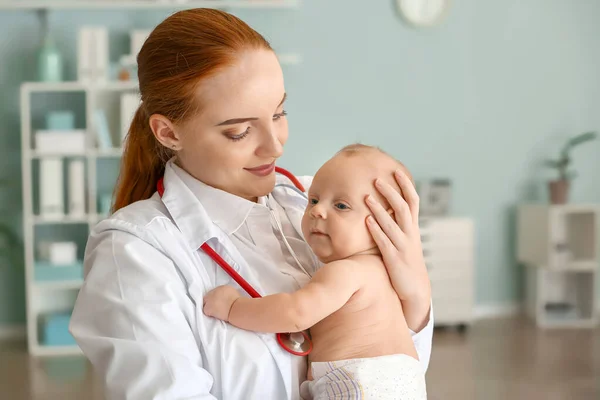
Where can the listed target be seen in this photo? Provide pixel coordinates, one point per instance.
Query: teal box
(60, 120)
(44, 271)
(55, 330)
(105, 202)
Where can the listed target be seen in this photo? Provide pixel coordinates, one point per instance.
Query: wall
(481, 99)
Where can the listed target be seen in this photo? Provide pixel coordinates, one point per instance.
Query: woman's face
(233, 143)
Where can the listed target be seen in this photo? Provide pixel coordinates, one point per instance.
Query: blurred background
(493, 105)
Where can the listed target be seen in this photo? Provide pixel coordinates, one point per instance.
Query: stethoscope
(296, 343)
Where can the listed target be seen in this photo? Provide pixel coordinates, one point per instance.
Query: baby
(362, 345)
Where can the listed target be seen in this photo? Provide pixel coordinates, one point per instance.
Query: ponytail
(142, 165)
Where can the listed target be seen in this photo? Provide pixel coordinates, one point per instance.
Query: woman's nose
(271, 146)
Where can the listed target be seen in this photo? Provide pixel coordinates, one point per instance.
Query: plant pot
(559, 191)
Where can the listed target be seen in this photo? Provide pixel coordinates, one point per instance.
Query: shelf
(50, 351)
(39, 220)
(76, 86)
(143, 4)
(59, 285)
(107, 153)
(578, 266)
(37, 155)
(572, 266)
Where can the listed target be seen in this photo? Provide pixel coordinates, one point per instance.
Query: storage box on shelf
(448, 248)
(558, 245)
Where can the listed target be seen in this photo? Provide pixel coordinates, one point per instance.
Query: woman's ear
(165, 132)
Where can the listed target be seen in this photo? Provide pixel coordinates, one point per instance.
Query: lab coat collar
(190, 216)
(225, 210)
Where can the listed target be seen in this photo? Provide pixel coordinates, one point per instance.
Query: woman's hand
(219, 301)
(399, 240)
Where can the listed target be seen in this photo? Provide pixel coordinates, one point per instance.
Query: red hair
(182, 51)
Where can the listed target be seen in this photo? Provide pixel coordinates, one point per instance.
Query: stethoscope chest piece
(297, 343)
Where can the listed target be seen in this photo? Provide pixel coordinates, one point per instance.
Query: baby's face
(334, 222)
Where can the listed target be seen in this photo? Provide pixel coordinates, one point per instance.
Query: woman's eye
(242, 135)
(280, 115)
(342, 206)
(313, 201)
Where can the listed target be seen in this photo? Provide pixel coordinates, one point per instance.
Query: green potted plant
(559, 188)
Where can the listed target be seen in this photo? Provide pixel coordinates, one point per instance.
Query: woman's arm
(130, 321)
(330, 288)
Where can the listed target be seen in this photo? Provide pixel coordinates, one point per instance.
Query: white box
(129, 105)
(60, 142)
(63, 253)
(92, 54)
(101, 54)
(76, 188)
(51, 188)
(138, 37)
(85, 60)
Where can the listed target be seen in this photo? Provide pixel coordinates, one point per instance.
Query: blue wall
(481, 99)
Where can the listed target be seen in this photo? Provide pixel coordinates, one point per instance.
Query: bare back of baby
(370, 324)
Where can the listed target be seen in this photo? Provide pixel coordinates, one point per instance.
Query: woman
(212, 123)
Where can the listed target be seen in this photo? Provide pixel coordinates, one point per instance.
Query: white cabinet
(558, 244)
(448, 248)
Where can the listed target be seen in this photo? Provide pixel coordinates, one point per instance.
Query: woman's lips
(262, 170)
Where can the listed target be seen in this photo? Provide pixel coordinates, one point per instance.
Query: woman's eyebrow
(283, 100)
(234, 121)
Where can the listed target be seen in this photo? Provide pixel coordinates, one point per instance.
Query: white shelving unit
(142, 4)
(559, 247)
(48, 296)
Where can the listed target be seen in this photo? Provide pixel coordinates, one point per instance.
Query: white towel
(394, 377)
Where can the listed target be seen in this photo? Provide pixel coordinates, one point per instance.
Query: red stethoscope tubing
(160, 186)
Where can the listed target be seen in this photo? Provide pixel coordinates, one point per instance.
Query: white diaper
(395, 377)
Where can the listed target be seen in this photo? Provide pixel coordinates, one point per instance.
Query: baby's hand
(218, 302)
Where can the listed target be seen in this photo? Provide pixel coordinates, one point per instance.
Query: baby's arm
(329, 289)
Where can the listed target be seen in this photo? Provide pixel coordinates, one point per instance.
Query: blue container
(60, 120)
(50, 62)
(55, 330)
(44, 271)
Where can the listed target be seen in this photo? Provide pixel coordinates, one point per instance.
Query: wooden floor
(495, 359)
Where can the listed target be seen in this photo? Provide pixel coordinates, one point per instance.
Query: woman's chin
(259, 186)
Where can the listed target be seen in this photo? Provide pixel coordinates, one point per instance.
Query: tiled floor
(496, 359)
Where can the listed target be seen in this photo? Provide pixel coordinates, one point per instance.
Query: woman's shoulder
(138, 218)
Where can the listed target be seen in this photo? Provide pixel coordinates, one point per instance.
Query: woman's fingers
(387, 248)
(409, 192)
(386, 224)
(402, 212)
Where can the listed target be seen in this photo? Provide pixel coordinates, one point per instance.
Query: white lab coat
(139, 319)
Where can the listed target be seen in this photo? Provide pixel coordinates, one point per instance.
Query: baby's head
(334, 223)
